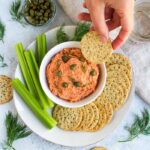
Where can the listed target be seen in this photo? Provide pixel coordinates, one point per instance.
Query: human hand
(107, 15)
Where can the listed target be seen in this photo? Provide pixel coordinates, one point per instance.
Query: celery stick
(25, 70)
(42, 115)
(34, 63)
(44, 45)
(41, 47)
(35, 78)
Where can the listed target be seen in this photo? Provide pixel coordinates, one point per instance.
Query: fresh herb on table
(81, 29)
(15, 11)
(2, 31)
(2, 64)
(141, 125)
(61, 35)
(15, 130)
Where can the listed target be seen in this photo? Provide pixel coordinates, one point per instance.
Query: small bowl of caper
(39, 12)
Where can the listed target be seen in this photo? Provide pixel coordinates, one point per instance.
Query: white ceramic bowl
(57, 100)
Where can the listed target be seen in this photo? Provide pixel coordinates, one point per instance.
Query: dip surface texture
(70, 76)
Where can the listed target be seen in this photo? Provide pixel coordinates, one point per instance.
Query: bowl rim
(90, 98)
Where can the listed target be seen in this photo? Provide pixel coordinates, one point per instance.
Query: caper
(73, 66)
(65, 84)
(44, 7)
(77, 84)
(93, 72)
(35, 2)
(42, 11)
(58, 73)
(65, 58)
(42, 22)
(31, 12)
(39, 14)
(48, 10)
(45, 18)
(45, 14)
(47, 3)
(41, 1)
(81, 58)
(41, 18)
(34, 7)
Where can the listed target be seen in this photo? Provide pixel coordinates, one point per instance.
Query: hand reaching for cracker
(107, 15)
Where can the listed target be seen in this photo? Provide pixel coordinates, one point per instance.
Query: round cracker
(114, 93)
(120, 69)
(125, 85)
(6, 93)
(118, 59)
(107, 106)
(120, 75)
(94, 50)
(89, 125)
(79, 128)
(99, 148)
(102, 118)
(68, 118)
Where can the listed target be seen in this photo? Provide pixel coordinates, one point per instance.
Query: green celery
(25, 71)
(51, 104)
(36, 81)
(29, 99)
(41, 47)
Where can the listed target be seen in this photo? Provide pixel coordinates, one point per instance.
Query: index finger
(126, 27)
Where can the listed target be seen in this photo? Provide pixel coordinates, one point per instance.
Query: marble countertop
(16, 33)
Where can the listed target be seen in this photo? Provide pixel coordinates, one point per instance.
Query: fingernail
(103, 38)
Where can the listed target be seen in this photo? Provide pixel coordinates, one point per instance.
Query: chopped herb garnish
(81, 30)
(73, 67)
(93, 72)
(2, 64)
(77, 84)
(2, 31)
(58, 73)
(65, 84)
(15, 12)
(61, 35)
(15, 130)
(83, 68)
(65, 58)
(140, 125)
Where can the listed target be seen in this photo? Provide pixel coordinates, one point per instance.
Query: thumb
(97, 12)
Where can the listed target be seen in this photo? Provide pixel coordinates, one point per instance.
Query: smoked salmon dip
(70, 76)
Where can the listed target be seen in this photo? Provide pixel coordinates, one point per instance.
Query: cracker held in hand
(94, 50)
(5, 89)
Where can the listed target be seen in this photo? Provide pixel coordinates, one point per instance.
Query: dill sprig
(2, 64)
(81, 29)
(15, 11)
(2, 31)
(15, 130)
(61, 35)
(141, 125)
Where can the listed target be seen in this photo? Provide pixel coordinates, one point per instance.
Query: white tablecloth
(16, 33)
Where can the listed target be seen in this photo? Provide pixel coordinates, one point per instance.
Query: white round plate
(56, 135)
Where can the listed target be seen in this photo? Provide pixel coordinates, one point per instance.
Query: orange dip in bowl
(70, 76)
